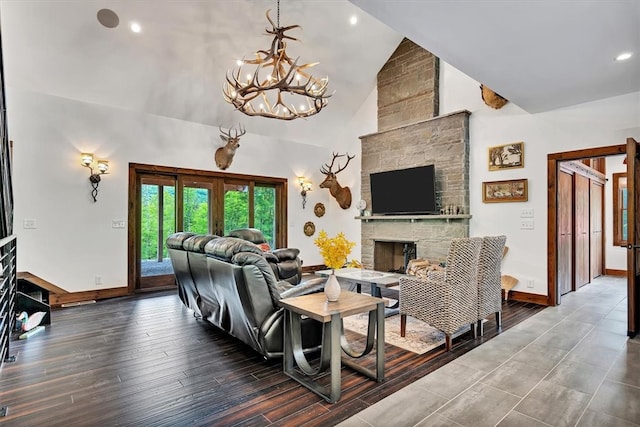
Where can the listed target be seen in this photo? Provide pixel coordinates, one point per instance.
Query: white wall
(601, 123)
(74, 241)
(615, 257)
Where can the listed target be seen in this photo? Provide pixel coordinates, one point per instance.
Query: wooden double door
(580, 224)
(558, 189)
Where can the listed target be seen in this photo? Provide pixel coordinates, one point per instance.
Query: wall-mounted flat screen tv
(404, 191)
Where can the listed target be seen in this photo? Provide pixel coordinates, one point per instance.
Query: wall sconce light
(304, 186)
(102, 167)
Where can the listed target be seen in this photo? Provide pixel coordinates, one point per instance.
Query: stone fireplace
(411, 133)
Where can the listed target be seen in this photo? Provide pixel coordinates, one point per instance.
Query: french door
(165, 200)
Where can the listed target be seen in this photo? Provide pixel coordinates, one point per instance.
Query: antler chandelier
(278, 87)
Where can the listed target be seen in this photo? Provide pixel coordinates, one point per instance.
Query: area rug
(420, 337)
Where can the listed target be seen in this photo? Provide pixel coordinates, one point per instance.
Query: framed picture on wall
(506, 156)
(514, 190)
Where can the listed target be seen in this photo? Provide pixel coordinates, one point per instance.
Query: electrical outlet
(98, 280)
(526, 225)
(530, 283)
(526, 213)
(117, 223)
(30, 223)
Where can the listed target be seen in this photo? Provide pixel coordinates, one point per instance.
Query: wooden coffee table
(336, 351)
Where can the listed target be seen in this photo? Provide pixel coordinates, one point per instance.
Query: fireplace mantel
(411, 218)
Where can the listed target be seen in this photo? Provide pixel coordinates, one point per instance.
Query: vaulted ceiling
(541, 55)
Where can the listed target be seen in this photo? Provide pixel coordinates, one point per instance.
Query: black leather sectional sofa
(232, 283)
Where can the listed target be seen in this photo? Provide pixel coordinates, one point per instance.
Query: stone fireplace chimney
(412, 133)
(408, 87)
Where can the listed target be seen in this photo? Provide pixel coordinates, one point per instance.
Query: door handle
(630, 246)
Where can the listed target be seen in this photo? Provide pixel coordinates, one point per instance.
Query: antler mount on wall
(341, 194)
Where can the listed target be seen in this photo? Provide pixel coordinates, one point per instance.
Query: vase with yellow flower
(334, 251)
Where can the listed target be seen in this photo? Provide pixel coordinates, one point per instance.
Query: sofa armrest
(310, 286)
(284, 254)
(271, 257)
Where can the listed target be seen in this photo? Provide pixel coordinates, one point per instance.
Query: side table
(336, 351)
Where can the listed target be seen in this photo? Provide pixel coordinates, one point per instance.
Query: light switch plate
(526, 225)
(29, 223)
(526, 213)
(117, 223)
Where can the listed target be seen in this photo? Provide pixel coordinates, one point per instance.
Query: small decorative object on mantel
(492, 99)
(318, 209)
(224, 155)
(362, 204)
(309, 228)
(341, 194)
(507, 156)
(452, 210)
(334, 251)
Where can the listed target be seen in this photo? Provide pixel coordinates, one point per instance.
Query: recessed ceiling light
(135, 27)
(353, 20)
(624, 56)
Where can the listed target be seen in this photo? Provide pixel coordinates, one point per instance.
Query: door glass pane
(168, 219)
(196, 202)
(236, 207)
(157, 222)
(265, 212)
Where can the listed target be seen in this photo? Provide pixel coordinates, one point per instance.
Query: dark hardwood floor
(146, 361)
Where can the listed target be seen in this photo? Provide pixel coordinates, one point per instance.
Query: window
(620, 209)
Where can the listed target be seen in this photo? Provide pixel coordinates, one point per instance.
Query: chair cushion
(198, 242)
(258, 261)
(176, 240)
(227, 247)
(251, 234)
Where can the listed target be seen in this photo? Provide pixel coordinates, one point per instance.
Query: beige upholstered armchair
(447, 299)
(489, 281)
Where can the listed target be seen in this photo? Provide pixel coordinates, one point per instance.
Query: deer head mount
(224, 155)
(341, 194)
